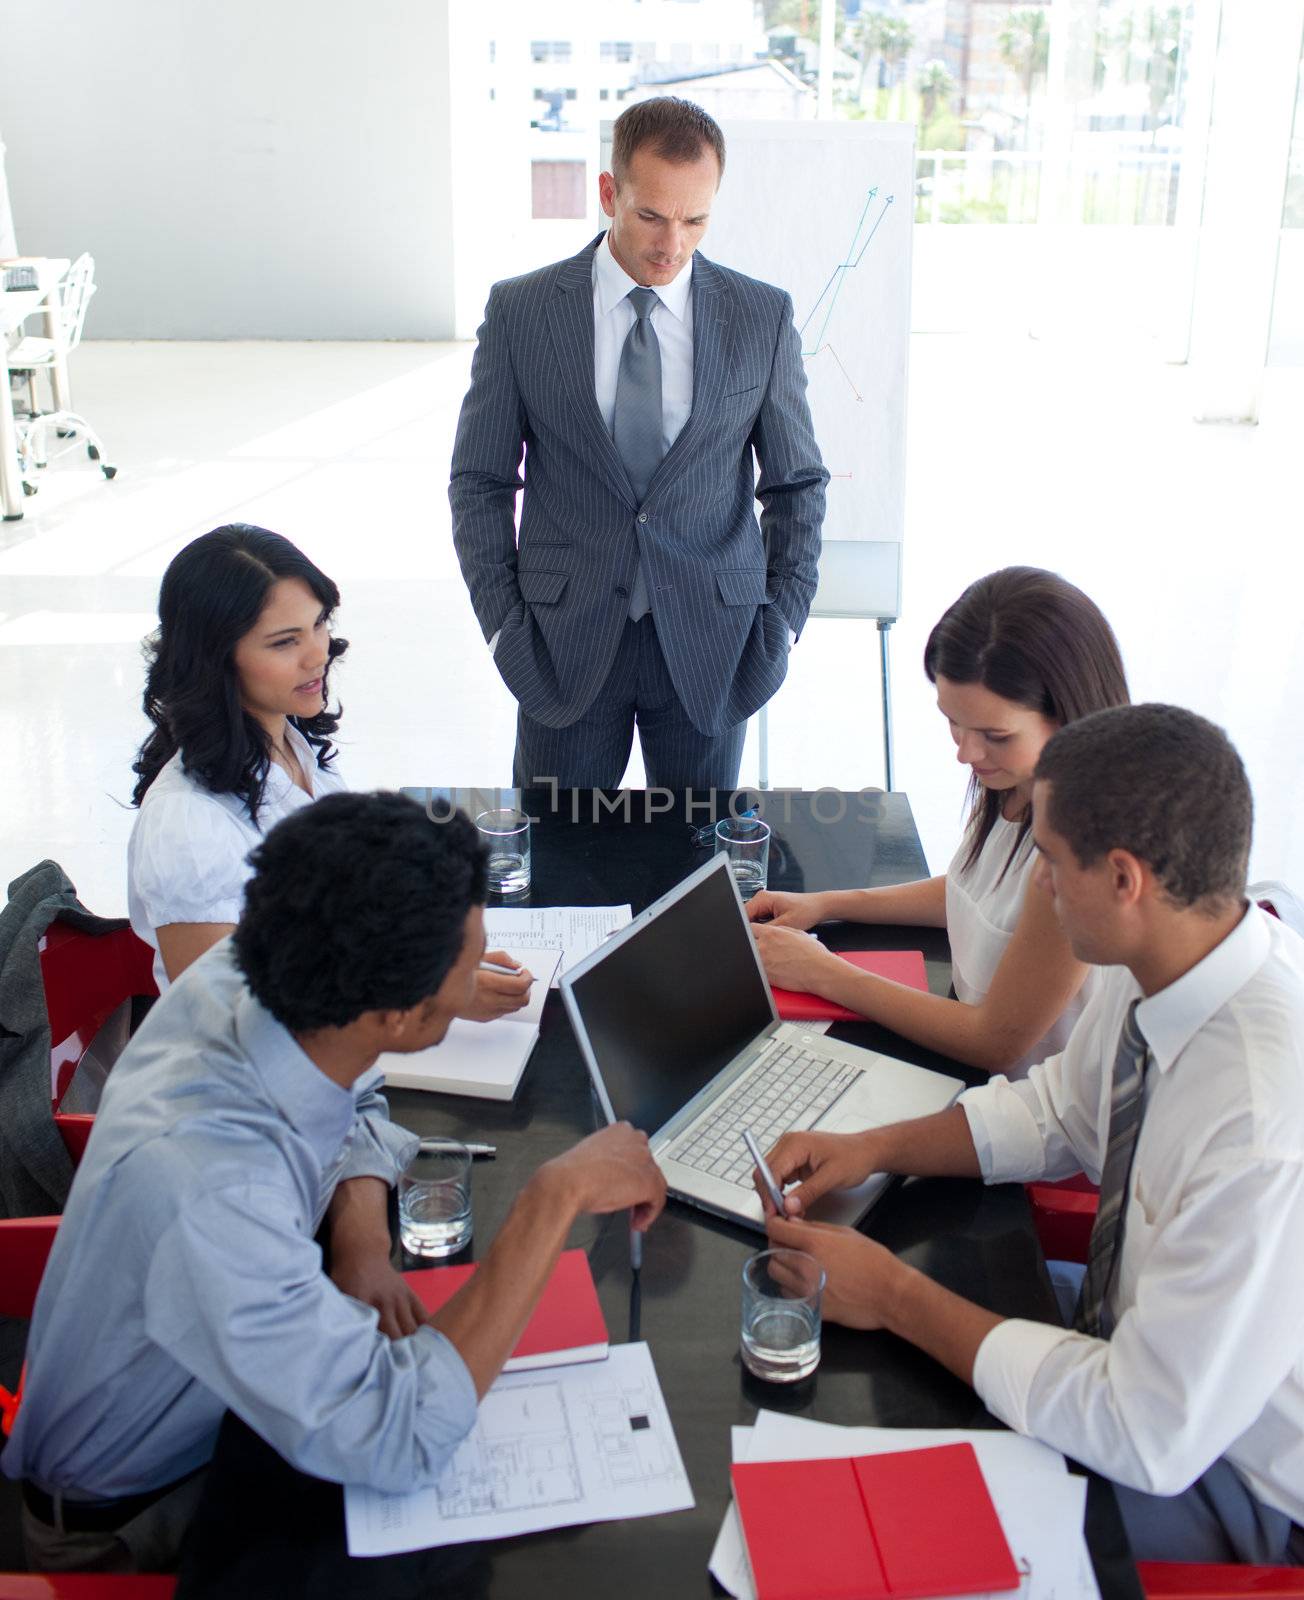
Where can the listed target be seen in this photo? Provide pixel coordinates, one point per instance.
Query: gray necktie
(636, 423)
(1127, 1102)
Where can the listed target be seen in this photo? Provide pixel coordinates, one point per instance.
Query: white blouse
(982, 912)
(188, 857)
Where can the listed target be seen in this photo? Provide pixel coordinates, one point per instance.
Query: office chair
(86, 977)
(32, 355)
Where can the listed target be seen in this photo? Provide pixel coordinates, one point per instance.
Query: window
(616, 50)
(557, 189)
(550, 50)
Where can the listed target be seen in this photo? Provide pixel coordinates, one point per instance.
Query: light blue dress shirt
(184, 1278)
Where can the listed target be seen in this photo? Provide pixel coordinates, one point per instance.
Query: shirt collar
(309, 1101)
(612, 283)
(1171, 1019)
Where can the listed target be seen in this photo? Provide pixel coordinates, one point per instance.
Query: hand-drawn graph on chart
(526, 1448)
(834, 386)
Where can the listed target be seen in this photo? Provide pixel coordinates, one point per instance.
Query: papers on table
(484, 1059)
(1040, 1504)
(572, 931)
(549, 1449)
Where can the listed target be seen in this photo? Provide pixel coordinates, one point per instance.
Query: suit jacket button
(622, 594)
(642, 516)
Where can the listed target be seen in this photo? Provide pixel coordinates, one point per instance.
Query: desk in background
(265, 1529)
(16, 305)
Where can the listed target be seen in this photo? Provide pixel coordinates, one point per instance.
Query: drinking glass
(746, 841)
(507, 834)
(782, 1290)
(434, 1199)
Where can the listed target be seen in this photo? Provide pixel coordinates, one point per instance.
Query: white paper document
(550, 1449)
(484, 1059)
(572, 931)
(1039, 1502)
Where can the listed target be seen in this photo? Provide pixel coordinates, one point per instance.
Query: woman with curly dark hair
(238, 691)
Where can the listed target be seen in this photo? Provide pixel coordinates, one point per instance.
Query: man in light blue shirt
(185, 1279)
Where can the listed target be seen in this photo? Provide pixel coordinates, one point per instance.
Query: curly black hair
(1161, 783)
(213, 593)
(358, 903)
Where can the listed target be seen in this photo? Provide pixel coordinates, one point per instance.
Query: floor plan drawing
(550, 1448)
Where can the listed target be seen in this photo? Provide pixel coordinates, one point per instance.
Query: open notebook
(484, 1059)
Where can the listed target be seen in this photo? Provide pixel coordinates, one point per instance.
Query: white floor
(1067, 457)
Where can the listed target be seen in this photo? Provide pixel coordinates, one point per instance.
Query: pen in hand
(767, 1177)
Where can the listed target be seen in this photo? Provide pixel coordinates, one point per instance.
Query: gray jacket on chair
(35, 1168)
(724, 590)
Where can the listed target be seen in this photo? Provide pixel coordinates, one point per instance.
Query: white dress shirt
(188, 856)
(983, 905)
(1207, 1355)
(672, 321)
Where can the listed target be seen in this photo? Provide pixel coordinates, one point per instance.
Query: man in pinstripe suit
(642, 382)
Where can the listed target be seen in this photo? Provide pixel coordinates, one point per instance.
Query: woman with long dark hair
(238, 692)
(1018, 655)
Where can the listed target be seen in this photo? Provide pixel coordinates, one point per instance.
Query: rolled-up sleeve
(237, 1297)
(378, 1148)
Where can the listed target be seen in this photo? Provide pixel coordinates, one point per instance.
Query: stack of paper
(484, 1059)
(549, 1449)
(1039, 1502)
(572, 932)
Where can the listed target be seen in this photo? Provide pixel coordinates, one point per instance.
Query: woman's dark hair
(213, 593)
(358, 903)
(1030, 637)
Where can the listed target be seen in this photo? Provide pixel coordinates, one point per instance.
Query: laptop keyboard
(791, 1088)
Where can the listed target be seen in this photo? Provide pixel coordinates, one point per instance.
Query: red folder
(902, 966)
(891, 1527)
(567, 1324)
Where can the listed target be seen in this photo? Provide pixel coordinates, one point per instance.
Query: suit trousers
(593, 752)
(1218, 1519)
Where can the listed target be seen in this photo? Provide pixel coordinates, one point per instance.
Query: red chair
(1194, 1580)
(86, 1586)
(24, 1249)
(87, 977)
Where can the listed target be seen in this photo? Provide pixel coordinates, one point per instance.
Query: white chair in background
(32, 356)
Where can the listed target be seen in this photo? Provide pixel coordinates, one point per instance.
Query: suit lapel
(712, 361)
(570, 323)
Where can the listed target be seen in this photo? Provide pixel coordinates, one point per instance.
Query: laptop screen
(673, 1002)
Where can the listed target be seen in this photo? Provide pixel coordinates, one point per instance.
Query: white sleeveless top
(981, 916)
(188, 856)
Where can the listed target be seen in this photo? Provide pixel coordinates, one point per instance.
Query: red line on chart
(841, 368)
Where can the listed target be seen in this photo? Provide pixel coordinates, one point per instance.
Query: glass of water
(434, 1199)
(746, 841)
(507, 834)
(782, 1290)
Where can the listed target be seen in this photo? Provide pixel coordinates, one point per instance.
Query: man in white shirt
(1181, 1091)
(644, 385)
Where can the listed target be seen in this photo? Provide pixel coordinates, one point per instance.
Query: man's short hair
(358, 903)
(674, 129)
(1161, 783)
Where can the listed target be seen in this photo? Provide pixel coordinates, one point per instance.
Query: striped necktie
(637, 428)
(1126, 1105)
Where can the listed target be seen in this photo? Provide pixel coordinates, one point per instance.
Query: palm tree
(1025, 47)
(891, 38)
(936, 86)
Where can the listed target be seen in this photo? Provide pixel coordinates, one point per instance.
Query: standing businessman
(640, 380)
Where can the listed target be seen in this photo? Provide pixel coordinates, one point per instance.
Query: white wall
(239, 169)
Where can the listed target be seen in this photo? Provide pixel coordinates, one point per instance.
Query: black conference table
(265, 1529)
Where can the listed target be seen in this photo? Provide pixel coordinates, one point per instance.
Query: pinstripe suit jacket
(724, 590)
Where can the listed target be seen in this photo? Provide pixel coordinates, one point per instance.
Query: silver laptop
(679, 1030)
